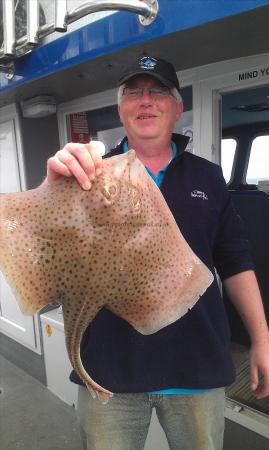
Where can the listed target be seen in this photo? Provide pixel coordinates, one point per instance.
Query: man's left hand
(259, 369)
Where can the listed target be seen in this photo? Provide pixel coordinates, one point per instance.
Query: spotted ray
(116, 245)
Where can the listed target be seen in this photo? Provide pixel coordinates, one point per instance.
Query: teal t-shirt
(158, 178)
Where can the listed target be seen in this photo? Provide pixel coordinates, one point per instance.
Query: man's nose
(146, 97)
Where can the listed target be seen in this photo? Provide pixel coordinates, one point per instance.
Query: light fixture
(40, 106)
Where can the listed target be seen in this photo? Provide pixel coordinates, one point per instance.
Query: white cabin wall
(208, 82)
(13, 324)
(40, 141)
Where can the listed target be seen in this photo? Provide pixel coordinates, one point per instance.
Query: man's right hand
(82, 161)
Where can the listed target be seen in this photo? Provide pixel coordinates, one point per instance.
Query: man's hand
(243, 291)
(82, 161)
(259, 369)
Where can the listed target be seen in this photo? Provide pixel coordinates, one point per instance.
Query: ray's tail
(73, 336)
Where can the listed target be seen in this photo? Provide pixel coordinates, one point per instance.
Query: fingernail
(87, 185)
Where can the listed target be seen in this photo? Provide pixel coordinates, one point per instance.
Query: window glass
(185, 123)
(228, 148)
(258, 165)
(48, 7)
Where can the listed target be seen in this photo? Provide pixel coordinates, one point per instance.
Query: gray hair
(174, 92)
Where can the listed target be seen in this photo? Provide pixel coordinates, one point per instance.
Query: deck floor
(31, 417)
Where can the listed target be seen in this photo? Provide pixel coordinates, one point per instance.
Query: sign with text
(254, 74)
(79, 130)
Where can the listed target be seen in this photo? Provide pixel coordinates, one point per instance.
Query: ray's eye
(110, 191)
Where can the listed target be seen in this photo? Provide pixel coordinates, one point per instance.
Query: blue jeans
(190, 422)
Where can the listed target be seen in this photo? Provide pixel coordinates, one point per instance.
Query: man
(182, 369)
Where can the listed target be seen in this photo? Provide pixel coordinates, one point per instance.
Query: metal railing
(12, 48)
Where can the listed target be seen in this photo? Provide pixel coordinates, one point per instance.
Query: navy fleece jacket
(193, 352)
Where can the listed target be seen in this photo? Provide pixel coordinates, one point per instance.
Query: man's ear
(180, 109)
(119, 112)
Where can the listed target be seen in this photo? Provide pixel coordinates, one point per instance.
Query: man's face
(146, 116)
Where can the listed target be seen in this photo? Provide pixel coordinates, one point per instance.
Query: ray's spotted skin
(116, 245)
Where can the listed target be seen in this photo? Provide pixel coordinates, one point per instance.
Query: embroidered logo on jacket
(199, 194)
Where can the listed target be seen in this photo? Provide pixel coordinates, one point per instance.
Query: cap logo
(147, 62)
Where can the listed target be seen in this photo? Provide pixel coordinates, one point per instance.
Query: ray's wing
(163, 276)
(26, 257)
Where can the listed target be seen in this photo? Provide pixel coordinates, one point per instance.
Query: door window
(258, 165)
(185, 123)
(228, 149)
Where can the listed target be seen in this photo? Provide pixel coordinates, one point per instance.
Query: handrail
(143, 8)
(8, 27)
(146, 9)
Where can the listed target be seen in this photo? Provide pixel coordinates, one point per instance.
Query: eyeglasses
(137, 92)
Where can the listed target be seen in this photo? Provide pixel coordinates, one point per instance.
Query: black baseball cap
(160, 69)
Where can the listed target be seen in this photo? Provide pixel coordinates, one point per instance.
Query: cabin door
(232, 130)
(12, 322)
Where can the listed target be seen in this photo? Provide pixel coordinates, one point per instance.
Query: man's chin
(148, 135)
